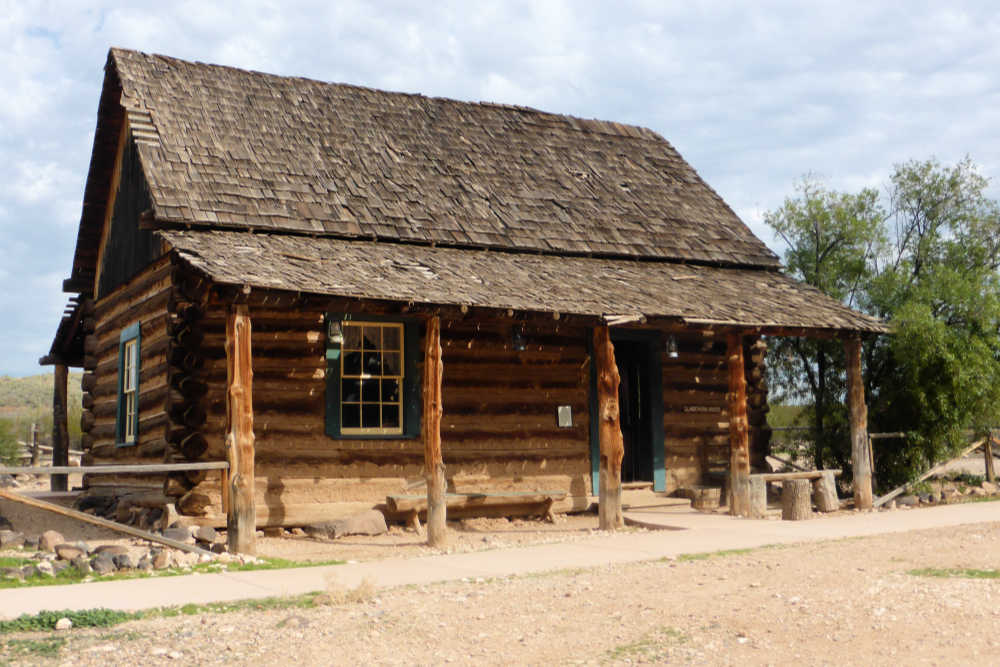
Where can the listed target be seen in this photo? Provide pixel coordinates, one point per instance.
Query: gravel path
(841, 602)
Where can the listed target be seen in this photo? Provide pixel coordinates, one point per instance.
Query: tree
(926, 261)
(832, 239)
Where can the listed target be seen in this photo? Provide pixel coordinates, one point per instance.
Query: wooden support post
(241, 519)
(858, 415)
(825, 493)
(437, 508)
(36, 452)
(609, 432)
(739, 436)
(758, 498)
(988, 455)
(60, 428)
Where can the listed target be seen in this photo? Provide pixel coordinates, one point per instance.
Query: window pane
(350, 416)
(373, 363)
(390, 416)
(370, 416)
(390, 391)
(369, 391)
(390, 338)
(373, 338)
(390, 361)
(352, 363)
(352, 337)
(350, 391)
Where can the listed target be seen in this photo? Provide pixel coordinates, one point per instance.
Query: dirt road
(844, 602)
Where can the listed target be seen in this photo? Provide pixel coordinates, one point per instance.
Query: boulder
(989, 487)
(908, 501)
(206, 534)
(11, 539)
(82, 565)
(31, 541)
(59, 565)
(123, 562)
(979, 492)
(69, 551)
(11, 573)
(49, 540)
(8, 482)
(179, 534)
(64, 624)
(145, 564)
(370, 522)
(111, 549)
(45, 568)
(103, 564)
(161, 559)
(5, 523)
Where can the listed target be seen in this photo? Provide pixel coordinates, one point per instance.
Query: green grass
(955, 573)
(73, 576)
(713, 554)
(44, 647)
(654, 647)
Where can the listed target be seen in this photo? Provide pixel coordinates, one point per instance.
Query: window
(372, 383)
(127, 424)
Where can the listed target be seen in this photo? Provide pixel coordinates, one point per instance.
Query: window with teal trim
(127, 423)
(372, 388)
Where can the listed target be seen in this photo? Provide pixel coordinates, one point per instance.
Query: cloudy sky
(754, 95)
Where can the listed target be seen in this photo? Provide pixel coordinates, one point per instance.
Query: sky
(753, 95)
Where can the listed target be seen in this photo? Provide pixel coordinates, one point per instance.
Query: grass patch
(654, 647)
(713, 554)
(955, 573)
(73, 576)
(43, 647)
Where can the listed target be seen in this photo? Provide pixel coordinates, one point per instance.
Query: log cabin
(347, 292)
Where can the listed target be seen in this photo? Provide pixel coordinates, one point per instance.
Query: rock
(206, 534)
(103, 564)
(123, 562)
(45, 568)
(145, 564)
(924, 497)
(31, 541)
(185, 559)
(64, 624)
(28, 571)
(49, 540)
(59, 565)
(11, 539)
(979, 492)
(219, 548)
(908, 501)
(82, 565)
(989, 487)
(179, 534)
(273, 531)
(370, 522)
(11, 573)
(69, 551)
(5, 523)
(111, 549)
(934, 498)
(161, 559)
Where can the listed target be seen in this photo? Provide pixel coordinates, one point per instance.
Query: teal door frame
(653, 341)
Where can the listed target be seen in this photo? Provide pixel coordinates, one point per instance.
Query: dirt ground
(842, 602)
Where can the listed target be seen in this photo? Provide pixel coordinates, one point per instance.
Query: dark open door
(635, 400)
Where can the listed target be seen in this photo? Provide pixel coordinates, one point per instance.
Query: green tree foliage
(8, 443)
(924, 257)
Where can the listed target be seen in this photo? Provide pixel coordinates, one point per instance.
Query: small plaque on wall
(565, 416)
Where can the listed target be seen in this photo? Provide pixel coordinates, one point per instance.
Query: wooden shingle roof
(231, 149)
(692, 294)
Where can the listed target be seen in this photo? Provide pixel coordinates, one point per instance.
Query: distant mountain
(33, 394)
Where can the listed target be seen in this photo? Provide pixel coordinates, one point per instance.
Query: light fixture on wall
(517, 339)
(671, 347)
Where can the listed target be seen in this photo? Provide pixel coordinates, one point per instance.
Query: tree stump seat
(824, 493)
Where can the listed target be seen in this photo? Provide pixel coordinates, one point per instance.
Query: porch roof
(520, 281)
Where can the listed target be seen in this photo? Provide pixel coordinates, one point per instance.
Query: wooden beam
(98, 521)
(437, 507)
(60, 428)
(120, 469)
(241, 520)
(739, 433)
(858, 415)
(988, 456)
(609, 431)
(930, 473)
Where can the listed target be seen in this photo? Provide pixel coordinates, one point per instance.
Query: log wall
(499, 428)
(142, 299)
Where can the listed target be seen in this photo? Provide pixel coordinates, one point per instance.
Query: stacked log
(754, 353)
(184, 405)
(88, 382)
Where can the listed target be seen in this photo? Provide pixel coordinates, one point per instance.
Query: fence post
(35, 451)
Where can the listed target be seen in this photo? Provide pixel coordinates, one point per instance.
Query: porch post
(60, 427)
(437, 508)
(241, 517)
(609, 430)
(739, 436)
(858, 415)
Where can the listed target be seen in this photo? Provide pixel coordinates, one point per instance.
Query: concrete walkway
(686, 531)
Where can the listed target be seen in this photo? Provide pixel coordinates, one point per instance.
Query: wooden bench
(795, 498)
(411, 506)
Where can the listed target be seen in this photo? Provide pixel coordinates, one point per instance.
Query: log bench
(796, 503)
(411, 506)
